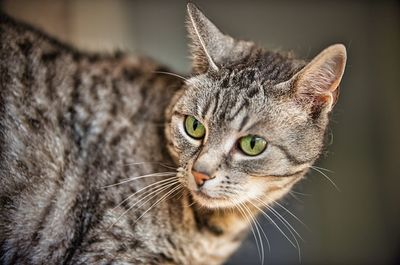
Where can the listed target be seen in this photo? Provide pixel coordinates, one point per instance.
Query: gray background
(359, 224)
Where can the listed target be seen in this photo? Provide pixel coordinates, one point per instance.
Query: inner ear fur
(318, 82)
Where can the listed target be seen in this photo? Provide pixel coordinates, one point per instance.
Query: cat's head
(248, 123)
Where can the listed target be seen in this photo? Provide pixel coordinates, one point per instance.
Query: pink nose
(200, 178)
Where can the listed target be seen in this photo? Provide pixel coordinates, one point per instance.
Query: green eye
(194, 128)
(252, 145)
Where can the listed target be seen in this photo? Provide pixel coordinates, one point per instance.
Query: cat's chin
(211, 202)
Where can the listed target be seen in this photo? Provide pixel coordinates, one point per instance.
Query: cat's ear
(318, 82)
(210, 48)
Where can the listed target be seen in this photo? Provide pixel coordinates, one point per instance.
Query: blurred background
(360, 224)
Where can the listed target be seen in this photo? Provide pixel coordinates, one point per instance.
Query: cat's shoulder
(13, 30)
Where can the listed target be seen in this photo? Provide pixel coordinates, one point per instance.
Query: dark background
(359, 224)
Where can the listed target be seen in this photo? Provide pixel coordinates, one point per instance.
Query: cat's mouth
(205, 195)
(209, 201)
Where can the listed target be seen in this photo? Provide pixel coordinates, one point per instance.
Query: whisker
(293, 215)
(168, 166)
(158, 201)
(158, 163)
(300, 193)
(325, 169)
(160, 174)
(239, 207)
(181, 193)
(171, 74)
(326, 176)
(295, 197)
(257, 224)
(193, 203)
(276, 225)
(157, 184)
(153, 192)
(143, 203)
(279, 216)
(288, 227)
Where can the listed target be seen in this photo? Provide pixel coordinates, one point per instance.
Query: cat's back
(56, 100)
(68, 122)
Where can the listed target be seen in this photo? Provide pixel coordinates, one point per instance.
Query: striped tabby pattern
(75, 127)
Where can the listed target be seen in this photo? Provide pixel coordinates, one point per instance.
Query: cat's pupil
(252, 142)
(195, 124)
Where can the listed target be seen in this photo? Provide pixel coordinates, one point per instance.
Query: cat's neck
(234, 221)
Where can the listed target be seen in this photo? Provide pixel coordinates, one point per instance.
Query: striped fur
(72, 123)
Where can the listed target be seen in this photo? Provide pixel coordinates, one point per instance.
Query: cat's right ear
(210, 48)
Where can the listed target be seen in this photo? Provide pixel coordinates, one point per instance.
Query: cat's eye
(194, 128)
(252, 145)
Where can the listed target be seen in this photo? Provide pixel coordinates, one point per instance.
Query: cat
(111, 159)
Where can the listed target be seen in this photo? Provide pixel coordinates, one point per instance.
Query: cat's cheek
(179, 146)
(276, 189)
(254, 188)
(172, 144)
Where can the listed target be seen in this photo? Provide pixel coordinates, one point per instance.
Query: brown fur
(72, 123)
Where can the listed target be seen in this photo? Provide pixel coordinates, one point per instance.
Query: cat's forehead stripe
(243, 123)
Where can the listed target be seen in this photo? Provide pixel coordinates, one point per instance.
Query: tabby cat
(108, 159)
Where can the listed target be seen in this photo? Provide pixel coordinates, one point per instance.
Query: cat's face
(247, 126)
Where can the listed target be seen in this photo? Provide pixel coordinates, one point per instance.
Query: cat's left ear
(210, 48)
(318, 82)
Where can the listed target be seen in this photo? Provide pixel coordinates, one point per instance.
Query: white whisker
(282, 219)
(295, 197)
(289, 227)
(276, 225)
(300, 193)
(157, 184)
(143, 203)
(160, 174)
(257, 224)
(239, 207)
(171, 74)
(158, 163)
(325, 169)
(155, 192)
(193, 203)
(326, 176)
(181, 193)
(293, 215)
(158, 201)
